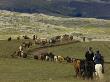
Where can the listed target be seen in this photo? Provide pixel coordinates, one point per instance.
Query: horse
(38, 41)
(47, 58)
(19, 54)
(55, 58)
(57, 38)
(98, 71)
(26, 37)
(60, 59)
(34, 37)
(43, 56)
(89, 69)
(76, 63)
(68, 59)
(40, 55)
(83, 68)
(65, 37)
(71, 37)
(36, 57)
(27, 44)
(50, 56)
(9, 39)
(52, 41)
(41, 41)
(18, 38)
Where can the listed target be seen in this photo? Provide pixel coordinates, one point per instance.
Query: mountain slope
(15, 24)
(77, 8)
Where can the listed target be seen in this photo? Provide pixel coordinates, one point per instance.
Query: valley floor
(30, 70)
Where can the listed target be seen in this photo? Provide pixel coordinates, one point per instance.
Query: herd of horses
(44, 55)
(53, 40)
(83, 69)
(42, 43)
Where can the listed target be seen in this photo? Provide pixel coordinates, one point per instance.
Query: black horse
(51, 56)
(68, 59)
(9, 39)
(87, 69)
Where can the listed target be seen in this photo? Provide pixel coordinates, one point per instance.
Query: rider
(98, 59)
(89, 57)
(89, 54)
(20, 48)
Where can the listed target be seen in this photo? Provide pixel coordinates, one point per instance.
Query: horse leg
(91, 76)
(102, 68)
(77, 73)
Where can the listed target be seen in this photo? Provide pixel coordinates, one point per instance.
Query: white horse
(20, 48)
(98, 73)
(47, 58)
(55, 58)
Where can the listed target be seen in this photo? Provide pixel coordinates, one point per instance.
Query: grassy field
(30, 70)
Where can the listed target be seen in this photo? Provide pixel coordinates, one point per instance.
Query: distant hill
(16, 24)
(71, 8)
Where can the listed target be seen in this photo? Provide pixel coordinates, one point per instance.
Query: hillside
(14, 24)
(72, 8)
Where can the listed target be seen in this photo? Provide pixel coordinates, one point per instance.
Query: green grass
(78, 49)
(30, 70)
(33, 70)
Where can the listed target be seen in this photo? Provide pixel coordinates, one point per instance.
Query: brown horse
(61, 59)
(65, 37)
(76, 63)
(40, 55)
(71, 37)
(27, 44)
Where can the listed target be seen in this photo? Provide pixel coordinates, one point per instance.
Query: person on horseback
(89, 54)
(98, 59)
(20, 48)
